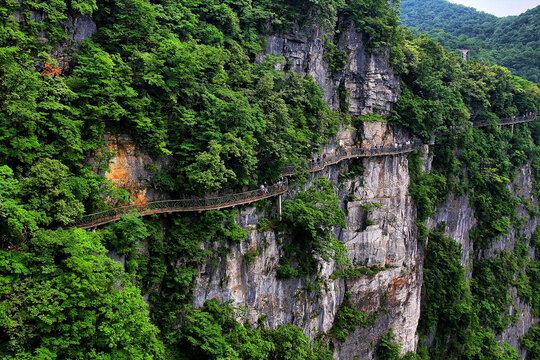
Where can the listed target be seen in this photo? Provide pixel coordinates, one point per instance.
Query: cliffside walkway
(226, 201)
(510, 121)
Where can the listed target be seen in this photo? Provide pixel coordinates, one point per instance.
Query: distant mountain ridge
(512, 41)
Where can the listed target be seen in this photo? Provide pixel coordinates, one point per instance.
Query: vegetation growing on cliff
(62, 297)
(441, 93)
(309, 220)
(181, 78)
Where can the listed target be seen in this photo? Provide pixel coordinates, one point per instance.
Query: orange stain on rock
(396, 284)
(119, 170)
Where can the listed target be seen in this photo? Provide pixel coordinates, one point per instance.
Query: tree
(208, 172)
(13, 214)
(311, 217)
(387, 348)
(64, 298)
(50, 191)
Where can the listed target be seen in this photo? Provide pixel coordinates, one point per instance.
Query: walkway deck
(221, 202)
(226, 201)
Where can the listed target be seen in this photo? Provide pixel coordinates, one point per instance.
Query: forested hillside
(511, 41)
(181, 78)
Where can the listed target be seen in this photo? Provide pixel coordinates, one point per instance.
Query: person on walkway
(318, 159)
(324, 157)
(262, 189)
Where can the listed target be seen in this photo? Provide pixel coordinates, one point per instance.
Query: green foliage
(387, 347)
(13, 215)
(447, 305)
(348, 318)
(286, 271)
(220, 331)
(215, 333)
(310, 219)
(378, 19)
(427, 189)
(334, 56)
(507, 41)
(492, 277)
(531, 342)
(64, 298)
(208, 172)
(251, 255)
(357, 272)
(124, 234)
(49, 190)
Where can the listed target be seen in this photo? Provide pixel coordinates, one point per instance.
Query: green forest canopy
(510, 41)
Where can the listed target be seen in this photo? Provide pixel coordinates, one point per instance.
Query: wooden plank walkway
(226, 201)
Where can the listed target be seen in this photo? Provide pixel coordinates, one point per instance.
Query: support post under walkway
(279, 206)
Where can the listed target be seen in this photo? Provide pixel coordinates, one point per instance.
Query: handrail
(510, 120)
(225, 201)
(220, 202)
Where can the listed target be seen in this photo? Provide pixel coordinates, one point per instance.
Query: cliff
(208, 115)
(387, 241)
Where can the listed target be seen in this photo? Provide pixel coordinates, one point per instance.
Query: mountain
(511, 41)
(190, 179)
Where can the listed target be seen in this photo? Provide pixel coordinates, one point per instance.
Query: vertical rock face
(390, 242)
(522, 187)
(79, 28)
(459, 219)
(132, 170)
(369, 79)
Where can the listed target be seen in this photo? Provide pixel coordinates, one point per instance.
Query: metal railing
(220, 202)
(510, 120)
(181, 205)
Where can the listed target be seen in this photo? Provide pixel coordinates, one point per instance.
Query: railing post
(279, 206)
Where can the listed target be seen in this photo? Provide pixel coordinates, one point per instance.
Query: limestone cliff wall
(390, 241)
(369, 79)
(132, 169)
(459, 218)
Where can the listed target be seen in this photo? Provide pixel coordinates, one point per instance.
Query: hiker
(262, 189)
(324, 157)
